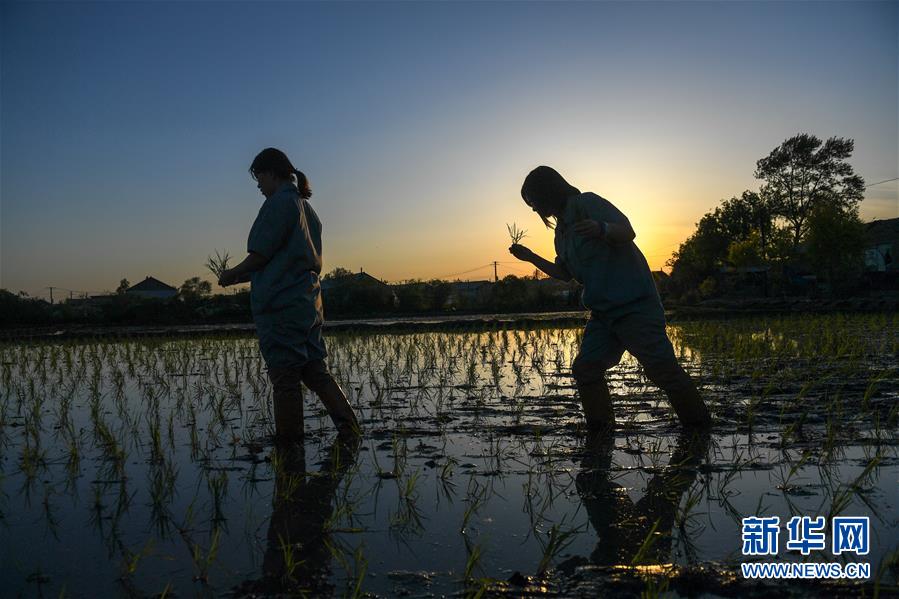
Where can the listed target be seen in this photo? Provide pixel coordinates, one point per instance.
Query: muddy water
(146, 467)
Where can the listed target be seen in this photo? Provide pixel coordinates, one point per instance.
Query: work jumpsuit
(626, 312)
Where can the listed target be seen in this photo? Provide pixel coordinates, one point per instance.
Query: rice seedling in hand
(218, 264)
(515, 233)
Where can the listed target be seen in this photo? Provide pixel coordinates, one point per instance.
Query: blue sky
(126, 128)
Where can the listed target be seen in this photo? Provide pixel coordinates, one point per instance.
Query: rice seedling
(475, 499)
(131, 560)
(204, 558)
(845, 494)
(360, 568)
(643, 553)
(474, 553)
(131, 421)
(290, 558)
(218, 264)
(407, 518)
(557, 539)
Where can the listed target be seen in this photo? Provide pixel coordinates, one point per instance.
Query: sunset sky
(126, 128)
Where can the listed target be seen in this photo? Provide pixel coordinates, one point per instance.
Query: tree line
(802, 220)
(353, 298)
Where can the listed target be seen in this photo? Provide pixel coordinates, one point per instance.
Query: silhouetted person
(621, 525)
(594, 245)
(283, 267)
(302, 505)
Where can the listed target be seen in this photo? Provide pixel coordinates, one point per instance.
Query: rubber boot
(597, 404)
(320, 381)
(287, 401)
(288, 420)
(339, 409)
(689, 407)
(678, 386)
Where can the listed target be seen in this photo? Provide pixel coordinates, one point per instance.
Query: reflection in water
(628, 532)
(297, 557)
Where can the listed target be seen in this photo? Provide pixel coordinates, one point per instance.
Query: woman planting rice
(594, 245)
(283, 266)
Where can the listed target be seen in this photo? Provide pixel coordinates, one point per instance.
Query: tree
(123, 287)
(410, 296)
(747, 252)
(19, 309)
(802, 174)
(509, 293)
(836, 245)
(439, 292)
(698, 256)
(743, 223)
(337, 273)
(193, 289)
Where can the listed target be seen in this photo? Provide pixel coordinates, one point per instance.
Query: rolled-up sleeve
(278, 216)
(602, 210)
(561, 265)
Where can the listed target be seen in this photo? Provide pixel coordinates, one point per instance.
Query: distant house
(358, 293)
(152, 288)
(362, 279)
(881, 244)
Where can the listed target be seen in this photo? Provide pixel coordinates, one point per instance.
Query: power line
(884, 181)
(42, 293)
(464, 272)
(495, 265)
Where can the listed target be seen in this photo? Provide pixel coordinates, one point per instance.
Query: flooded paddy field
(146, 467)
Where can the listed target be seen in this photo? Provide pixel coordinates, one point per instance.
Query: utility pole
(51, 294)
(495, 276)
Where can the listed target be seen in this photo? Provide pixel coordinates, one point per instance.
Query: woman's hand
(241, 273)
(591, 229)
(228, 277)
(521, 252)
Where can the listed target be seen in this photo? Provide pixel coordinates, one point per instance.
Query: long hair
(273, 160)
(546, 190)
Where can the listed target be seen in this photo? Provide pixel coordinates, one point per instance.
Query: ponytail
(302, 184)
(275, 161)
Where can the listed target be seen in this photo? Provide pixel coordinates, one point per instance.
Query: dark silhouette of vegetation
(803, 174)
(835, 246)
(338, 273)
(803, 220)
(416, 296)
(348, 296)
(193, 289)
(124, 309)
(800, 233)
(16, 309)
